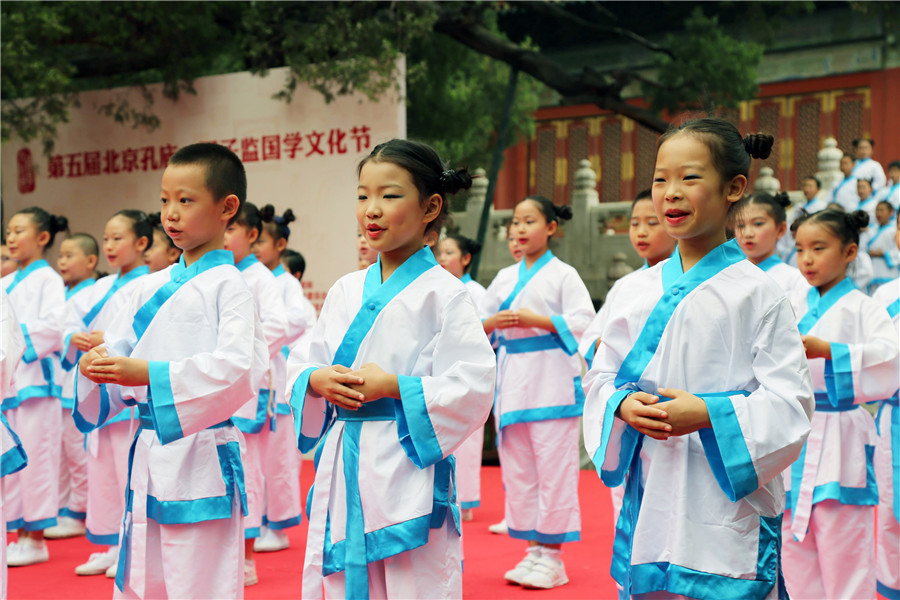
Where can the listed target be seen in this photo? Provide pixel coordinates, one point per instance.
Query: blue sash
(817, 305)
(894, 308)
(120, 281)
(179, 275)
(878, 233)
(841, 184)
(859, 162)
(21, 274)
(525, 275)
(770, 262)
(864, 203)
(71, 291)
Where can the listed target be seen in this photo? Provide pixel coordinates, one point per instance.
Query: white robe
(787, 277)
(871, 169)
(594, 331)
(420, 324)
(881, 237)
(891, 193)
(702, 512)
(887, 466)
(844, 193)
(198, 329)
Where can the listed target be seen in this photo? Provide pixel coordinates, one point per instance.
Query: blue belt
(377, 410)
(147, 420)
(823, 404)
(531, 344)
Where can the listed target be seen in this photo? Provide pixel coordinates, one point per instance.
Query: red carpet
(487, 556)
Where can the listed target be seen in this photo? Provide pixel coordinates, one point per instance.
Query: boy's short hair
(812, 178)
(225, 172)
(894, 164)
(87, 243)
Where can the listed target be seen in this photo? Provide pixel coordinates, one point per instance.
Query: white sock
(535, 551)
(554, 553)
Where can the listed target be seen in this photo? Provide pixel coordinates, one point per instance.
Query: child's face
(809, 189)
(821, 256)
(531, 229)
(73, 264)
(883, 213)
(756, 231)
(451, 257)
(894, 174)
(192, 217)
(688, 192)
(23, 240)
(513, 244)
(239, 239)
(365, 254)
(647, 235)
(7, 264)
(266, 249)
(160, 255)
(389, 210)
(863, 188)
(863, 149)
(121, 246)
(846, 165)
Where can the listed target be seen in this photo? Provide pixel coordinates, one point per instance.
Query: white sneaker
(27, 552)
(250, 577)
(499, 528)
(65, 527)
(271, 541)
(518, 573)
(111, 572)
(98, 563)
(546, 573)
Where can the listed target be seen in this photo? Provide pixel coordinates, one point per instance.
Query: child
(294, 263)
(760, 222)
(455, 254)
(12, 455)
(879, 244)
(7, 263)
(252, 418)
(714, 337)
(512, 243)
(852, 346)
(866, 167)
(867, 200)
(844, 191)
(539, 308)
(188, 353)
(887, 460)
(125, 239)
(364, 252)
(811, 186)
(891, 190)
(163, 251)
(77, 263)
(398, 373)
(282, 462)
(32, 406)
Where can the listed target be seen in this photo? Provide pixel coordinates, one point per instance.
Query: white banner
(301, 155)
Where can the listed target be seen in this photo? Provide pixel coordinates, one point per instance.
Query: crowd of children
(162, 410)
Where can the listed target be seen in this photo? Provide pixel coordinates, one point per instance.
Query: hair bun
(155, 219)
(288, 217)
(453, 180)
(267, 213)
(60, 223)
(759, 145)
(859, 218)
(783, 199)
(563, 211)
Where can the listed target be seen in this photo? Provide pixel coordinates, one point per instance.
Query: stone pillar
(578, 230)
(829, 173)
(766, 182)
(468, 221)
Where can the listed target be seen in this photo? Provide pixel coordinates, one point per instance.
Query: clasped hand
(683, 414)
(350, 389)
(98, 366)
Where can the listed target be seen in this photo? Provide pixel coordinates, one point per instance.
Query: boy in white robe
(192, 354)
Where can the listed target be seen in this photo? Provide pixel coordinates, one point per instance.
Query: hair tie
(280, 221)
(447, 177)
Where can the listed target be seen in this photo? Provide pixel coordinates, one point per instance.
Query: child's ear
(230, 207)
(253, 232)
(280, 245)
(142, 243)
(781, 230)
(735, 190)
(432, 208)
(552, 228)
(850, 253)
(92, 261)
(43, 238)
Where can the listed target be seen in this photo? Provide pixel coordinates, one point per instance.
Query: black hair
(850, 156)
(886, 203)
(249, 217)
(813, 178)
(845, 226)
(858, 140)
(86, 242)
(45, 221)
(552, 212)
(274, 225)
(642, 195)
(140, 224)
(155, 220)
(894, 164)
(774, 205)
(466, 246)
(295, 262)
(225, 172)
(730, 152)
(869, 181)
(426, 169)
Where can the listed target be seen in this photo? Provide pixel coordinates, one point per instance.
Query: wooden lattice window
(545, 178)
(644, 159)
(611, 163)
(808, 119)
(578, 151)
(850, 125)
(767, 118)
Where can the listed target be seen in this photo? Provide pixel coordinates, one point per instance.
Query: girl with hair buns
(760, 223)
(162, 252)
(397, 374)
(539, 308)
(853, 348)
(282, 461)
(32, 405)
(699, 395)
